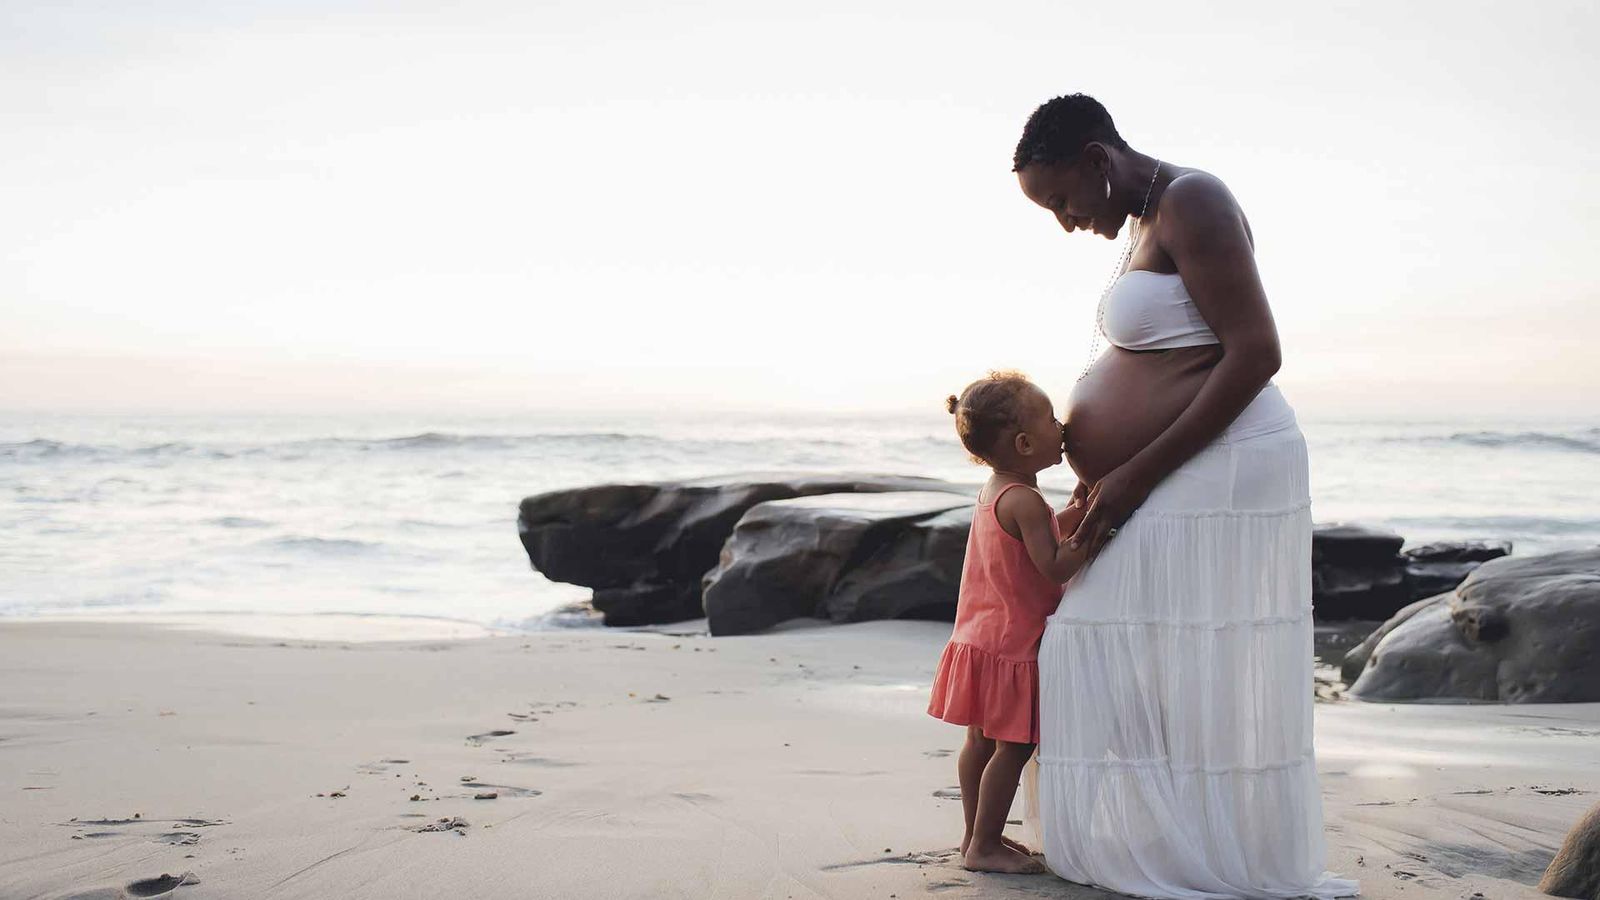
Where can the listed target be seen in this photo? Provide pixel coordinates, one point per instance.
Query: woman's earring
(1108, 187)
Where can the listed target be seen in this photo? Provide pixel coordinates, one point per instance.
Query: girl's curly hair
(986, 410)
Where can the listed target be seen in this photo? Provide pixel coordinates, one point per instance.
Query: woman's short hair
(1059, 130)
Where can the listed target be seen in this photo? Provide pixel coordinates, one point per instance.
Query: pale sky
(528, 205)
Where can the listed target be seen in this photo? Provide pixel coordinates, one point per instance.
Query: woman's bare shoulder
(1195, 191)
(1198, 203)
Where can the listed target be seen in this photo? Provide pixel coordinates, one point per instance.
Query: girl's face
(1039, 434)
(1075, 194)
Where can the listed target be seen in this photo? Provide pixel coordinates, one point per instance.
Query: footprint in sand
(176, 822)
(380, 767)
(160, 886)
(501, 790)
(176, 837)
(917, 858)
(937, 754)
(949, 793)
(477, 740)
(527, 759)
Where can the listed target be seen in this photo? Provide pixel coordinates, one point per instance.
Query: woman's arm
(1204, 232)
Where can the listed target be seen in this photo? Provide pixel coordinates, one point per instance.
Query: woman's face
(1075, 194)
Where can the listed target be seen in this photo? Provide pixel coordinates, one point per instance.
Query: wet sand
(628, 764)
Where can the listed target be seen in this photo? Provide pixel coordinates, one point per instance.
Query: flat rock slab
(846, 557)
(1517, 630)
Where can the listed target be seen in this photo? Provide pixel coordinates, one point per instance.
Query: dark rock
(1438, 567)
(1430, 578)
(841, 556)
(1457, 551)
(645, 547)
(1518, 630)
(1356, 572)
(915, 574)
(1349, 544)
(645, 603)
(1575, 872)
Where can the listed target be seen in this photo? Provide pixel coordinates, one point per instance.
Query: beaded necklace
(1117, 273)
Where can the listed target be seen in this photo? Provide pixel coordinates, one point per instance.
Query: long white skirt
(1175, 754)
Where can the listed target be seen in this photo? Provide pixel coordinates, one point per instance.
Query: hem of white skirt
(1330, 887)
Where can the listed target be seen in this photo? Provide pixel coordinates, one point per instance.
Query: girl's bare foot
(1002, 859)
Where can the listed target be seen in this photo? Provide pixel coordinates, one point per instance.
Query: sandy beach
(797, 764)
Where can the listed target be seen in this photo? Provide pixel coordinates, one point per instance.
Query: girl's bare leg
(974, 757)
(987, 851)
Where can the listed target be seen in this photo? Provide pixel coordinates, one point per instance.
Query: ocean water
(416, 515)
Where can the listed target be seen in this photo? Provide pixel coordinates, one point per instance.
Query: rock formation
(645, 547)
(1517, 630)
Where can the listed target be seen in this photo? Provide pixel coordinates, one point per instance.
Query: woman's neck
(1139, 179)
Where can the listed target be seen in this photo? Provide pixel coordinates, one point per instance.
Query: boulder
(645, 547)
(1356, 572)
(915, 574)
(845, 557)
(1575, 872)
(1355, 661)
(1517, 630)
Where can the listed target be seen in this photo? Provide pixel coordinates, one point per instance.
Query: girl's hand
(1072, 513)
(1111, 501)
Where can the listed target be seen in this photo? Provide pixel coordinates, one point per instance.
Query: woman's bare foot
(1018, 846)
(1002, 859)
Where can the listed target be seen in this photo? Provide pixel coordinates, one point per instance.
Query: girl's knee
(976, 736)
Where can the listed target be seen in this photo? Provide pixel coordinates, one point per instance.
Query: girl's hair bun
(951, 402)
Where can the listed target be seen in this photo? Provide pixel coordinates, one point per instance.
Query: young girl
(988, 678)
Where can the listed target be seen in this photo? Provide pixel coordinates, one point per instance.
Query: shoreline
(797, 763)
(322, 627)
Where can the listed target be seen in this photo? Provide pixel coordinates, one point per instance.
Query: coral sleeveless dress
(989, 673)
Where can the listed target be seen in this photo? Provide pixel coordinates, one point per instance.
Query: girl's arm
(1057, 562)
(1205, 234)
(1069, 517)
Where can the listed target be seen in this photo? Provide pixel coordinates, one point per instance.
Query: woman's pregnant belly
(1126, 400)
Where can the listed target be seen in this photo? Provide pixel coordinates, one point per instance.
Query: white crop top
(1153, 311)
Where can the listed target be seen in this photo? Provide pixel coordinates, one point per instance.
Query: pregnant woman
(1175, 755)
